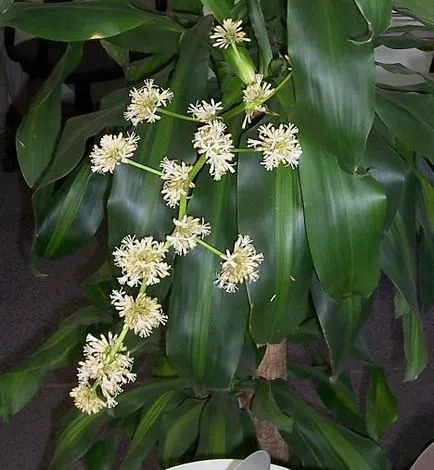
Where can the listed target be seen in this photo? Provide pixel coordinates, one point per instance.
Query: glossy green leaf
(79, 21)
(279, 297)
(320, 443)
(423, 10)
(258, 24)
(221, 9)
(340, 323)
(426, 262)
(221, 434)
(406, 37)
(344, 225)
(20, 384)
(146, 432)
(410, 118)
(149, 66)
(187, 6)
(74, 214)
(101, 456)
(398, 255)
(35, 139)
(381, 405)
(180, 431)
(135, 205)
(414, 346)
(334, 77)
(377, 13)
(119, 54)
(264, 407)
(77, 130)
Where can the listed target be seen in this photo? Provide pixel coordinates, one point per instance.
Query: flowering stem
(210, 247)
(279, 87)
(244, 150)
(143, 167)
(182, 207)
(197, 167)
(118, 343)
(177, 115)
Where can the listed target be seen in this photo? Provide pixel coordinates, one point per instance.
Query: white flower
(176, 181)
(86, 399)
(142, 314)
(141, 261)
(145, 102)
(217, 146)
(254, 96)
(279, 145)
(228, 33)
(240, 265)
(112, 150)
(204, 111)
(187, 231)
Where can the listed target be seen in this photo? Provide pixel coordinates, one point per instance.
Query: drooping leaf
(406, 37)
(398, 68)
(378, 13)
(19, 385)
(258, 24)
(336, 105)
(135, 205)
(79, 21)
(101, 456)
(344, 247)
(320, 443)
(119, 54)
(423, 10)
(381, 405)
(36, 139)
(279, 297)
(73, 215)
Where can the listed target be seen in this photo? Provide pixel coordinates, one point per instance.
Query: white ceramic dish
(226, 464)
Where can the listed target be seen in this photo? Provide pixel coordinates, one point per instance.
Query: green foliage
(361, 202)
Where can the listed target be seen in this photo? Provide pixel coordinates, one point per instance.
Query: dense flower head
(111, 151)
(254, 96)
(86, 399)
(142, 314)
(240, 265)
(187, 230)
(211, 141)
(145, 102)
(278, 144)
(141, 261)
(176, 181)
(228, 33)
(205, 111)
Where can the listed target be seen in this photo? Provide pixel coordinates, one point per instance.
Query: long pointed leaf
(258, 24)
(378, 13)
(421, 9)
(414, 346)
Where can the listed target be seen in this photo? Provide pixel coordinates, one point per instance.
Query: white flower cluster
(187, 231)
(230, 32)
(204, 111)
(254, 96)
(176, 181)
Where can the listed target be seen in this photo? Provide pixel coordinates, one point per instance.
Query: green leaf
(101, 456)
(340, 323)
(279, 297)
(79, 20)
(36, 139)
(410, 118)
(146, 432)
(180, 431)
(221, 9)
(423, 10)
(258, 24)
(74, 214)
(20, 384)
(321, 443)
(381, 405)
(406, 37)
(403, 70)
(334, 77)
(414, 346)
(426, 260)
(221, 433)
(135, 205)
(344, 247)
(193, 7)
(264, 407)
(149, 66)
(119, 54)
(377, 13)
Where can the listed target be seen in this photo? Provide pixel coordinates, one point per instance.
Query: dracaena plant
(255, 181)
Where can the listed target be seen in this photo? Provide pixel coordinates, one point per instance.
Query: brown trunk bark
(272, 367)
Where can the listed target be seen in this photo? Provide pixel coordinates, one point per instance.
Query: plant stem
(143, 167)
(182, 207)
(210, 247)
(177, 115)
(279, 87)
(192, 174)
(118, 343)
(245, 150)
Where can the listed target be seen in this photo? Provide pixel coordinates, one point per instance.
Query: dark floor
(32, 307)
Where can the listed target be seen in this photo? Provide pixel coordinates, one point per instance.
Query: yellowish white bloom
(142, 314)
(204, 111)
(86, 399)
(145, 102)
(229, 33)
(141, 261)
(112, 150)
(176, 181)
(254, 96)
(278, 144)
(187, 231)
(240, 265)
(211, 141)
